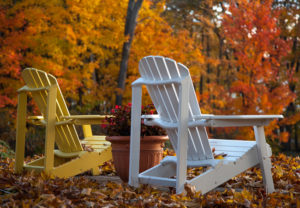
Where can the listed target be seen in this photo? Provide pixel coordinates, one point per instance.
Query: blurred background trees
(243, 56)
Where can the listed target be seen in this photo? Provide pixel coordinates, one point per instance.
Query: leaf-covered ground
(245, 190)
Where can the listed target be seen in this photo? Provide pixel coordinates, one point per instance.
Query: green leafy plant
(5, 151)
(120, 122)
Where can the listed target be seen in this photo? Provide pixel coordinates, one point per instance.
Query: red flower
(119, 123)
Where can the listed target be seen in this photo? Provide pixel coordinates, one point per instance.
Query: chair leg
(87, 131)
(50, 128)
(265, 162)
(182, 139)
(135, 133)
(95, 171)
(21, 128)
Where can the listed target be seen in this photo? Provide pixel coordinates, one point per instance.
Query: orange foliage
(284, 137)
(12, 42)
(252, 32)
(80, 42)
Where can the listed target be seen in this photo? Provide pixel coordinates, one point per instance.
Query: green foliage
(5, 151)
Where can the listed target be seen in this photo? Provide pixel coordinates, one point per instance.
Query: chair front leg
(264, 160)
(135, 134)
(50, 128)
(182, 139)
(21, 129)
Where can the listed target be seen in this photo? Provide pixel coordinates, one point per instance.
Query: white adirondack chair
(171, 89)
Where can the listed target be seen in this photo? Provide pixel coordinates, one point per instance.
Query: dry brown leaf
(190, 189)
(86, 191)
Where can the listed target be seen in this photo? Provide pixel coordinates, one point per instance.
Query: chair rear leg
(264, 160)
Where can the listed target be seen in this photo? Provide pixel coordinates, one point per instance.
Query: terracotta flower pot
(150, 155)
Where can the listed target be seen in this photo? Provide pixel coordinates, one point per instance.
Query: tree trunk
(132, 12)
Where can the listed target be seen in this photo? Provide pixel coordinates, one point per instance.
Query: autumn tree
(154, 36)
(81, 44)
(74, 41)
(130, 24)
(77, 43)
(289, 23)
(260, 83)
(201, 19)
(13, 41)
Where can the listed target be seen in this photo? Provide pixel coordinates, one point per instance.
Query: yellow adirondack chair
(70, 158)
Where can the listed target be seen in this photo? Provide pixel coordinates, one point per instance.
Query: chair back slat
(154, 91)
(41, 80)
(66, 137)
(69, 130)
(199, 134)
(37, 96)
(195, 147)
(150, 71)
(166, 102)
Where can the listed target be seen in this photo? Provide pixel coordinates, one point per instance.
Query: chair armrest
(35, 117)
(236, 117)
(149, 117)
(83, 119)
(234, 120)
(36, 120)
(29, 89)
(215, 121)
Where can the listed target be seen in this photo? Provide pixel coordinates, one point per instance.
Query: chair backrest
(66, 136)
(166, 101)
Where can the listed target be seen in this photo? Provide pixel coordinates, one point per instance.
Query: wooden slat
(37, 96)
(63, 135)
(68, 130)
(173, 72)
(160, 72)
(227, 142)
(60, 137)
(195, 147)
(106, 143)
(161, 107)
(230, 154)
(195, 109)
(153, 91)
(95, 138)
(99, 147)
(192, 149)
(232, 149)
